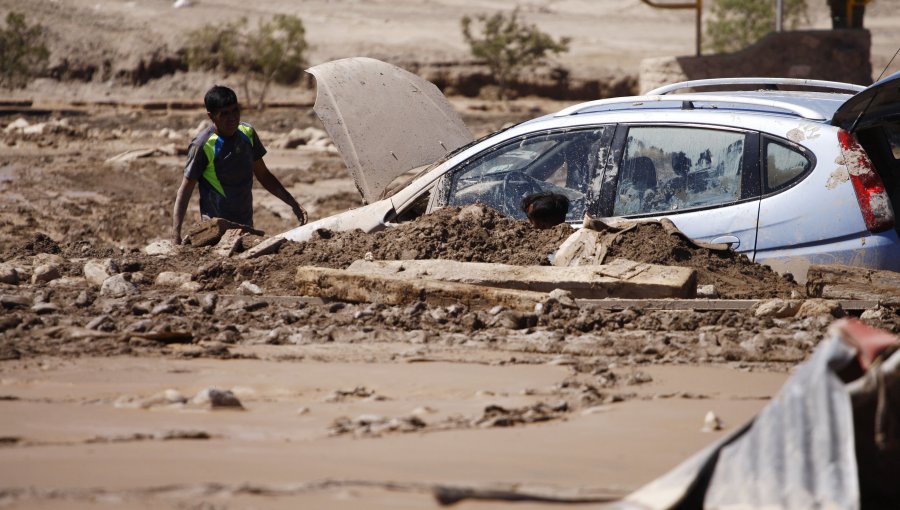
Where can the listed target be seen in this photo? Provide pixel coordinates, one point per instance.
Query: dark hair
(546, 208)
(219, 97)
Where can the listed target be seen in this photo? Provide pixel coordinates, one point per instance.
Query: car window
(561, 162)
(783, 165)
(665, 169)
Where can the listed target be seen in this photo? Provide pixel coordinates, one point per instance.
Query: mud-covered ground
(121, 376)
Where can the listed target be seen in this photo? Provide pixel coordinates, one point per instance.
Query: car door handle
(732, 241)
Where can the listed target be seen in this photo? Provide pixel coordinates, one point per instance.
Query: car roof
(814, 100)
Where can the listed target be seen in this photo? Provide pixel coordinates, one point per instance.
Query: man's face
(226, 119)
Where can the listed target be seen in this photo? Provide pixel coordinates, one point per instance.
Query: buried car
(790, 173)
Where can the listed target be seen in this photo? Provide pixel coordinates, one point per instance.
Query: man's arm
(181, 203)
(273, 186)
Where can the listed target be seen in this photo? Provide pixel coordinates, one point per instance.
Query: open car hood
(879, 102)
(384, 121)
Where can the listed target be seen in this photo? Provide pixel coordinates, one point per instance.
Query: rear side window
(667, 169)
(784, 165)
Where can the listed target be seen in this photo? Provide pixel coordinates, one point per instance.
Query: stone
(270, 245)
(68, 281)
(162, 248)
(208, 302)
(707, 292)
(47, 259)
(45, 308)
(820, 307)
(190, 287)
(229, 244)
(99, 321)
(209, 232)
(777, 308)
(172, 278)
(8, 275)
(45, 273)
(84, 299)
(98, 270)
(711, 422)
(117, 286)
(249, 289)
(217, 399)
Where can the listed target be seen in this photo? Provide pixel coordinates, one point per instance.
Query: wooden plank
(846, 282)
(392, 290)
(618, 279)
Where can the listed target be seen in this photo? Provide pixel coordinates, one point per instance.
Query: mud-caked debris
(359, 392)
(213, 398)
(373, 425)
(497, 416)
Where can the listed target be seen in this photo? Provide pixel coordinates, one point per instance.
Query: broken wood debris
(853, 283)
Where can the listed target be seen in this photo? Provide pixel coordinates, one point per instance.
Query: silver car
(790, 173)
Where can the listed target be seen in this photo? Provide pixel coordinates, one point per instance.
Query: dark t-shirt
(226, 184)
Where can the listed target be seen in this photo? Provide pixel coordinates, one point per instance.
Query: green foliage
(23, 53)
(737, 24)
(273, 52)
(508, 46)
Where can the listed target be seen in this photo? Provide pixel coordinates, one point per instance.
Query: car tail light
(870, 193)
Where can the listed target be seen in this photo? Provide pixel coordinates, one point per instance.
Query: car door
(560, 161)
(704, 179)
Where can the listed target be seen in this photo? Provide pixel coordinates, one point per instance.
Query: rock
(711, 422)
(302, 410)
(68, 281)
(191, 287)
(163, 308)
(270, 245)
(878, 313)
(117, 286)
(45, 308)
(99, 321)
(47, 259)
(217, 399)
(163, 248)
(84, 299)
(249, 289)
(45, 273)
(818, 307)
(8, 275)
(164, 398)
(777, 308)
(172, 278)
(97, 271)
(208, 302)
(229, 244)
(210, 231)
(17, 125)
(707, 292)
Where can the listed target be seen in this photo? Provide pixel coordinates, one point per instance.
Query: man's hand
(300, 212)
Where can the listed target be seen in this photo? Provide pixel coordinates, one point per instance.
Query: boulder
(45, 273)
(97, 271)
(117, 286)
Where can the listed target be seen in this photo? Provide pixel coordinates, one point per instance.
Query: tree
(737, 24)
(23, 54)
(274, 52)
(508, 46)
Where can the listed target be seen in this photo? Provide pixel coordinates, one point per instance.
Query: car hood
(384, 121)
(879, 102)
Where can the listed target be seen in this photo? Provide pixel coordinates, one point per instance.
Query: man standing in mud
(224, 158)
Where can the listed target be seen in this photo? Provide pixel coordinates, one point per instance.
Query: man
(546, 209)
(224, 158)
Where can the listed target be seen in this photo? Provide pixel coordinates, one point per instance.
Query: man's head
(223, 109)
(546, 209)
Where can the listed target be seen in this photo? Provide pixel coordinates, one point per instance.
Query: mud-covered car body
(809, 175)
